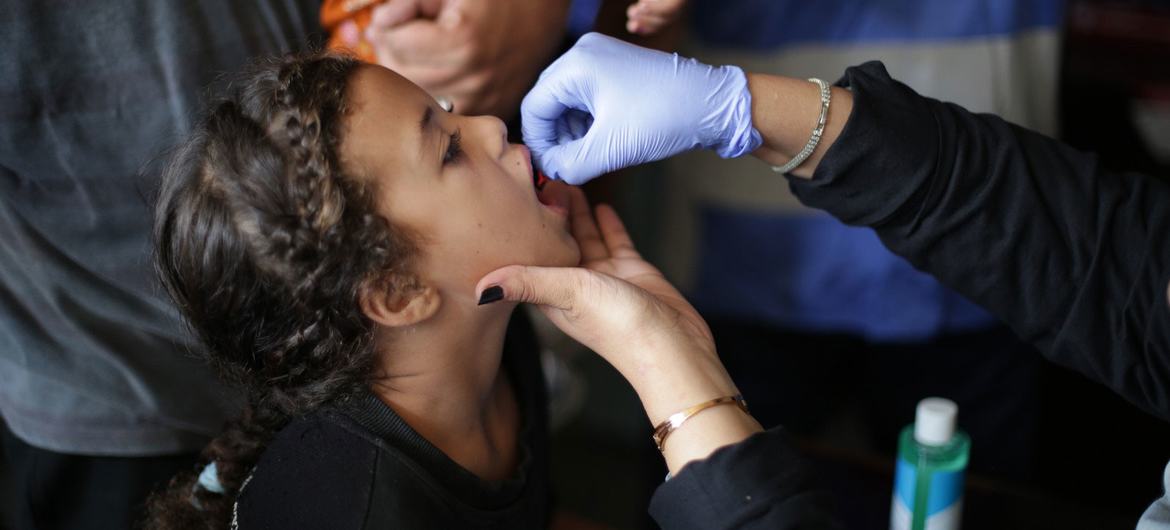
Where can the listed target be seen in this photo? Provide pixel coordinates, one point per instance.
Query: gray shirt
(93, 360)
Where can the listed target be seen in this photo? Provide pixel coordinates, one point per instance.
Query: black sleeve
(1076, 259)
(760, 482)
(313, 475)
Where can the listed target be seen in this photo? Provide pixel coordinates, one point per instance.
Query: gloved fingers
(571, 162)
(539, 111)
(549, 129)
(573, 125)
(564, 131)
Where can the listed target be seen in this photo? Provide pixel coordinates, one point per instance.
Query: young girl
(323, 232)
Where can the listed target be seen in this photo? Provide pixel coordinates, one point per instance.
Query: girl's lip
(554, 197)
(538, 178)
(526, 154)
(551, 197)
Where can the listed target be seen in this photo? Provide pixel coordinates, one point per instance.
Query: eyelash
(454, 149)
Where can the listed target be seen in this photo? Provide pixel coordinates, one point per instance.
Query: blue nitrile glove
(607, 104)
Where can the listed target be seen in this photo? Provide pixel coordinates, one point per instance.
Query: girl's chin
(563, 253)
(573, 258)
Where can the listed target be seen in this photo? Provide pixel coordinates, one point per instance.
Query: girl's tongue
(539, 179)
(552, 194)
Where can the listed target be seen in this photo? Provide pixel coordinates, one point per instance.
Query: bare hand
(481, 55)
(623, 308)
(647, 17)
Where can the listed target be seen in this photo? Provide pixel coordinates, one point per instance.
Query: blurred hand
(482, 55)
(647, 17)
(608, 104)
(622, 308)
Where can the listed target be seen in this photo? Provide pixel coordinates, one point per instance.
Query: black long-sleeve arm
(1076, 259)
(761, 482)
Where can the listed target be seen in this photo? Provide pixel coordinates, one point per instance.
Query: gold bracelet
(677, 419)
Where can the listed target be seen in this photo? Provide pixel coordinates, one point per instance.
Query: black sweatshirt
(359, 465)
(1075, 258)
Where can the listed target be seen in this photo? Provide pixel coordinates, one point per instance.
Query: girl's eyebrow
(424, 127)
(426, 119)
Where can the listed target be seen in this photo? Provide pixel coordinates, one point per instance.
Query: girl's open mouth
(553, 195)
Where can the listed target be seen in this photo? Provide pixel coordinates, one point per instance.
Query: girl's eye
(453, 148)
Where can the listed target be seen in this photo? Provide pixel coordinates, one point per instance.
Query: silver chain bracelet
(826, 96)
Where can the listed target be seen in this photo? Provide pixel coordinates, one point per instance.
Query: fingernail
(494, 293)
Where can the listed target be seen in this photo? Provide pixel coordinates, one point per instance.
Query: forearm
(761, 482)
(727, 472)
(668, 381)
(1072, 257)
(785, 110)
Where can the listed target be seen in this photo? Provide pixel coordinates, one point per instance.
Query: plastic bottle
(931, 464)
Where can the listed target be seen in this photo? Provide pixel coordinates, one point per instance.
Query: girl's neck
(444, 378)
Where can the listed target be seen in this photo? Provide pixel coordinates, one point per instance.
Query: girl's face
(453, 180)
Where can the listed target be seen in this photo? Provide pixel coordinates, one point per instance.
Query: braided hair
(265, 243)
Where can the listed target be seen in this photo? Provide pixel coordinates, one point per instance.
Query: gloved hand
(607, 104)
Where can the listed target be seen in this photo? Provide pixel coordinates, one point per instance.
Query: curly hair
(265, 243)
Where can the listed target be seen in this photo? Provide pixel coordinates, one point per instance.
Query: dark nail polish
(494, 293)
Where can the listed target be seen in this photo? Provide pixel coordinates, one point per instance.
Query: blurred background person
(480, 56)
(100, 398)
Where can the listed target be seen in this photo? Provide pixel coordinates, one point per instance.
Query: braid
(264, 242)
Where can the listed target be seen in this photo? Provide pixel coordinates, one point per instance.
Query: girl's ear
(398, 304)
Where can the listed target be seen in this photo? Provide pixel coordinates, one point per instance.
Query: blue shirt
(804, 269)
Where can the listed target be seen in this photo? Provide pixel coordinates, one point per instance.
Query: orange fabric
(335, 13)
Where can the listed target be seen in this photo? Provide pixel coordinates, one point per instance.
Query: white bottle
(931, 464)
